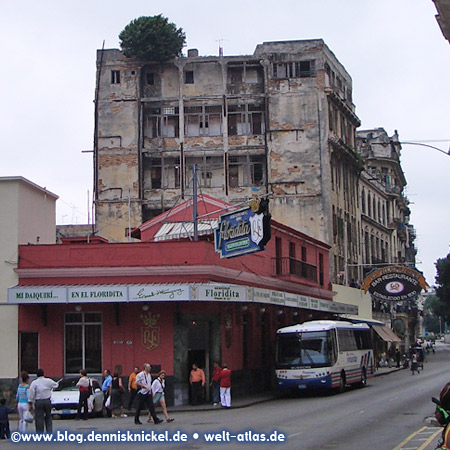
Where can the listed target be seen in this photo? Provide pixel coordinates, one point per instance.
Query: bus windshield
(307, 349)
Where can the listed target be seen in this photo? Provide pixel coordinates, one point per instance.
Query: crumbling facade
(280, 121)
(386, 233)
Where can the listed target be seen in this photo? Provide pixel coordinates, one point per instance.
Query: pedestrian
(116, 391)
(397, 357)
(158, 386)
(4, 419)
(39, 395)
(225, 387)
(144, 395)
(83, 386)
(105, 388)
(132, 386)
(414, 364)
(215, 383)
(22, 400)
(197, 382)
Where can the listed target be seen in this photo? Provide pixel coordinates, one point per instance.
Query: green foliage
(152, 38)
(443, 281)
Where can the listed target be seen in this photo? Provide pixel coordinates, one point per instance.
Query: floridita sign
(148, 293)
(244, 231)
(394, 283)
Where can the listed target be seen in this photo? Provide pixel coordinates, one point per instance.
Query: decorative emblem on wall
(150, 338)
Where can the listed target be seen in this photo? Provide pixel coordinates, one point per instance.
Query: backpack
(90, 391)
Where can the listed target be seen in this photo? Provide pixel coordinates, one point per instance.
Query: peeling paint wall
(252, 124)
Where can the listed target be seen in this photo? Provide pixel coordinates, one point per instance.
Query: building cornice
(222, 273)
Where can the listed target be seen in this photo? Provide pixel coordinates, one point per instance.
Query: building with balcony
(280, 121)
(169, 300)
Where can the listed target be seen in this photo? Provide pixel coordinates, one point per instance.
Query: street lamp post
(427, 145)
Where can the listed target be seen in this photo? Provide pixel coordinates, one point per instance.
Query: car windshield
(67, 384)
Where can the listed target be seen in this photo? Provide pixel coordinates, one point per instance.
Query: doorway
(198, 351)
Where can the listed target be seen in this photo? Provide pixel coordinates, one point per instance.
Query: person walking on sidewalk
(132, 388)
(144, 395)
(22, 400)
(225, 387)
(158, 386)
(39, 394)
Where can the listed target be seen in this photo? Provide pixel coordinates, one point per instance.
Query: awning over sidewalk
(386, 333)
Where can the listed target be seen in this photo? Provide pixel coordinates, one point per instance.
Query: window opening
(189, 77)
(115, 76)
(83, 342)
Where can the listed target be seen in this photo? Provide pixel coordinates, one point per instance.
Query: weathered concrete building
(279, 121)
(386, 233)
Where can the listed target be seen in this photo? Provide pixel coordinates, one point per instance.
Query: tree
(152, 38)
(443, 281)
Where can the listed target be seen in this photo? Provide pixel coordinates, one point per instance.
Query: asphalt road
(390, 413)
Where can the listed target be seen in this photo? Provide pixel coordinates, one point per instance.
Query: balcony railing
(290, 266)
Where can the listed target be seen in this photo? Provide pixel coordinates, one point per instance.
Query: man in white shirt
(144, 395)
(40, 393)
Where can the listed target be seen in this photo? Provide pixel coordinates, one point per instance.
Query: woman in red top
(225, 387)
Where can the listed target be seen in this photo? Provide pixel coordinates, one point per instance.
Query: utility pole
(194, 202)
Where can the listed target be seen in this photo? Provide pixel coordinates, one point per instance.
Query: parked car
(65, 397)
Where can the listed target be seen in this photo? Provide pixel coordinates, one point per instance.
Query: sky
(393, 50)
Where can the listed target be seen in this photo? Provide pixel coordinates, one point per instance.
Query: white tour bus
(323, 354)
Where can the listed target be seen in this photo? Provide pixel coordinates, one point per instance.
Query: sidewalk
(250, 400)
(242, 402)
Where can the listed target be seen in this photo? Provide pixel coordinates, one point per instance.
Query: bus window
(311, 349)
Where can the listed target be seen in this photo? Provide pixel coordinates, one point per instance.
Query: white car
(65, 397)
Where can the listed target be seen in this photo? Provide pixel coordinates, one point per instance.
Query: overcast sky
(393, 49)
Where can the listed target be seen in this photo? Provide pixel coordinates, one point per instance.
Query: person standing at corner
(22, 400)
(215, 383)
(197, 382)
(225, 387)
(144, 395)
(106, 388)
(83, 386)
(132, 388)
(39, 394)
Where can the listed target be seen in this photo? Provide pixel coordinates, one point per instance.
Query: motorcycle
(442, 415)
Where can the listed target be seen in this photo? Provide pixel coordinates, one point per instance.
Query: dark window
(29, 345)
(150, 79)
(189, 77)
(83, 342)
(278, 255)
(347, 341)
(156, 173)
(115, 76)
(321, 270)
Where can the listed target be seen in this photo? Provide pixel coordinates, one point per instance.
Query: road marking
(295, 434)
(412, 437)
(433, 436)
(409, 438)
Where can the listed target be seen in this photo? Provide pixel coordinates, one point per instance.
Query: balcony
(292, 267)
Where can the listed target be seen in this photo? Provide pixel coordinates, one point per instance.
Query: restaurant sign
(240, 233)
(394, 283)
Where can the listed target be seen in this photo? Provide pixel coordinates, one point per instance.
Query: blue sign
(239, 233)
